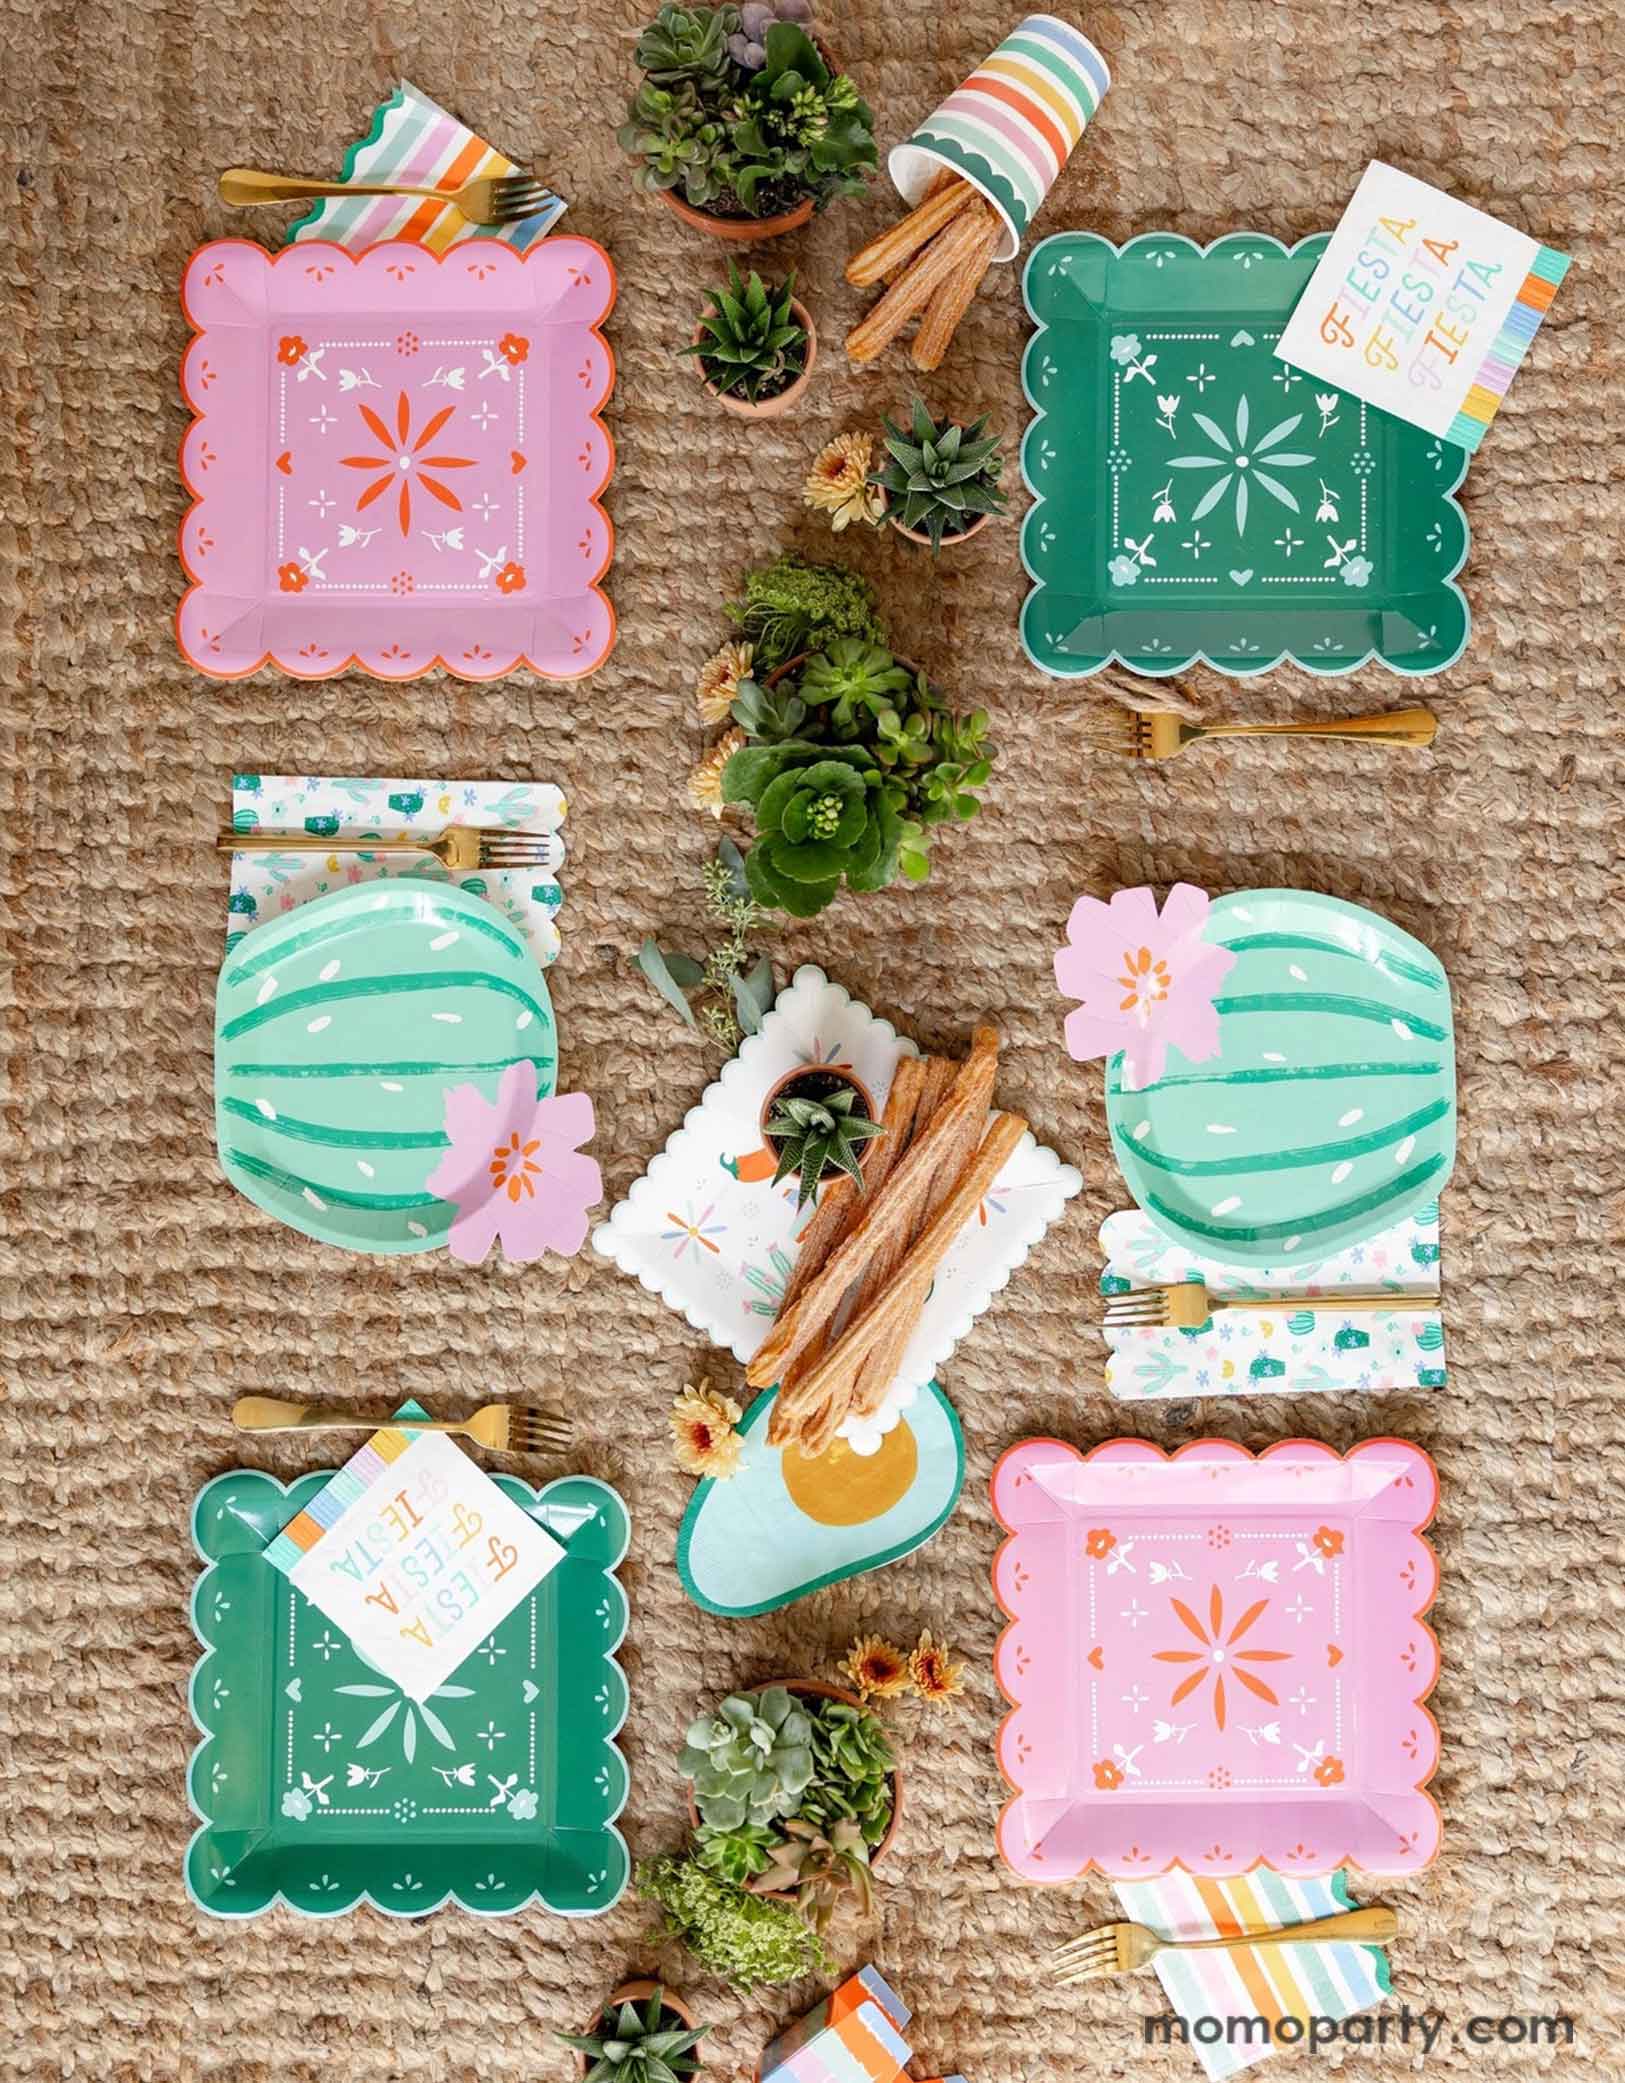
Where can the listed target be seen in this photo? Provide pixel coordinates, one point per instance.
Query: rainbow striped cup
(1012, 125)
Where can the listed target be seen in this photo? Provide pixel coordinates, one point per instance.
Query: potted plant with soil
(816, 1122)
(631, 2045)
(754, 346)
(742, 126)
(941, 479)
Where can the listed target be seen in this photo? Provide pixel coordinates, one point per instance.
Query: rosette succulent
(857, 683)
(751, 345)
(819, 1869)
(750, 1762)
(941, 477)
(688, 43)
(823, 816)
(738, 1855)
(852, 1768)
(815, 1137)
(648, 2046)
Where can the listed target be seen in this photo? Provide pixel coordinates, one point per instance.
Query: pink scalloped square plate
(396, 458)
(1215, 1660)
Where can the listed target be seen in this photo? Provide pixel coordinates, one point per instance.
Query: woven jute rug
(140, 1295)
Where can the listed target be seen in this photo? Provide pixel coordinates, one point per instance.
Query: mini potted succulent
(741, 125)
(816, 1123)
(941, 478)
(651, 2045)
(754, 346)
(853, 739)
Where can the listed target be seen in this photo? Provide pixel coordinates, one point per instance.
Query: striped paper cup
(1012, 125)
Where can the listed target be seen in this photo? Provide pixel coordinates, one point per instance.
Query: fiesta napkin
(1221, 1995)
(414, 139)
(415, 1553)
(1280, 1352)
(266, 882)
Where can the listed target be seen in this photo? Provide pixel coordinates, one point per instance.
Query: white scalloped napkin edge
(716, 1246)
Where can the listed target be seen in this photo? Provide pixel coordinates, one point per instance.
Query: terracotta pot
(948, 541)
(842, 1072)
(781, 401)
(737, 231)
(639, 1993)
(817, 1689)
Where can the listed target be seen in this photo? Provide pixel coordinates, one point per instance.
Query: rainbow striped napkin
(1237, 2007)
(414, 139)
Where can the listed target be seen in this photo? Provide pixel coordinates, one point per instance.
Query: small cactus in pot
(942, 478)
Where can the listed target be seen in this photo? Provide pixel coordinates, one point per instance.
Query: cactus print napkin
(1280, 1352)
(413, 139)
(265, 882)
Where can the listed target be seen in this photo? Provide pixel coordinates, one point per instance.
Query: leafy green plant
(852, 1768)
(745, 124)
(941, 476)
(736, 1855)
(751, 1943)
(798, 789)
(638, 2047)
(751, 1761)
(815, 1137)
(819, 1870)
(752, 345)
(737, 994)
(856, 682)
(791, 606)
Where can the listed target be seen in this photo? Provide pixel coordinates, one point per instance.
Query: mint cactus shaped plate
(319, 1785)
(1329, 1113)
(339, 1029)
(1198, 499)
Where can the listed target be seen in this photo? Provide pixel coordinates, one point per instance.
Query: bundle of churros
(933, 262)
(867, 1258)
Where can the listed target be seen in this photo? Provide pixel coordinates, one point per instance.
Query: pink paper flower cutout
(514, 1171)
(1147, 982)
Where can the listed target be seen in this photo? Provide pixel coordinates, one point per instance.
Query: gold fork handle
(312, 842)
(1328, 1305)
(1394, 727)
(247, 186)
(271, 1414)
(1361, 1924)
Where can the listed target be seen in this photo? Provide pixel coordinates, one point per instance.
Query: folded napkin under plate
(1283, 1351)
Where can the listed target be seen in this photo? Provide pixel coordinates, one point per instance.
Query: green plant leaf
(657, 969)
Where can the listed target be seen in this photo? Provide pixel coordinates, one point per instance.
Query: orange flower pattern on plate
(1100, 1542)
(513, 348)
(511, 578)
(1329, 1772)
(1218, 1656)
(291, 579)
(514, 1169)
(1328, 1541)
(403, 460)
(290, 350)
(1108, 1777)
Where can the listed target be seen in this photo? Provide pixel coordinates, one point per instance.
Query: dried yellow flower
(875, 1669)
(719, 681)
(935, 1674)
(838, 483)
(705, 782)
(702, 1425)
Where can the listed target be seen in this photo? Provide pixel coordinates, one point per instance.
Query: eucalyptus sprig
(735, 993)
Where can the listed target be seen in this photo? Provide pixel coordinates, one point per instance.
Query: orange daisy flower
(875, 1669)
(936, 1676)
(702, 1425)
(403, 460)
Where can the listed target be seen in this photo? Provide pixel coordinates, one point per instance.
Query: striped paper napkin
(1220, 1995)
(414, 139)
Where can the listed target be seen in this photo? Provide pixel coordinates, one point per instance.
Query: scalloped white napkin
(707, 1231)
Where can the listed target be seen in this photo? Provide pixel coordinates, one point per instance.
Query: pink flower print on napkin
(515, 1172)
(1146, 981)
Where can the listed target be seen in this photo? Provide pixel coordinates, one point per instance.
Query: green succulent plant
(636, 2046)
(856, 682)
(802, 130)
(752, 346)
(941, 477)
(816, 1137)
(791, 606)
(852, 1768)
(689, 43)
(819, 1869)
(749, 1942)
(800, 791)
(770, 715)
(680, 143)
(751, 1761)
(736, 1855)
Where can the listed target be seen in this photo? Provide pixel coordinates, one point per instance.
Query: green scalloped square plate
(319, 1786)
(1197, 500)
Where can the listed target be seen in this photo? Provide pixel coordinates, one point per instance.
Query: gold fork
(497, 199)
(501, 1428)
(459, 847)
(1185, 1305)
(1120, 1949)
(1159, 736)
